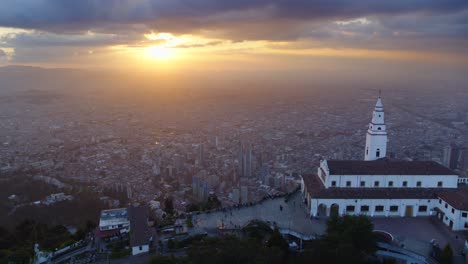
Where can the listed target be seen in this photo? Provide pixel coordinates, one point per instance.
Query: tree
(191, 207)
(169, 205)
(277, 247)
(90, 225)
(20, 256)
(277, 240)
(163, 260)
(189, 221)
(212, 202)
(170, 244)
(447, 255)
(348, 239)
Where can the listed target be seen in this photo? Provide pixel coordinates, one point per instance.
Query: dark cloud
(211, 43)
(59, 15)
(396, 24)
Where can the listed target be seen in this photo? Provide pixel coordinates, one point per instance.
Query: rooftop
(387, 166)
(457, 198)
(114, 213)
(140, 234)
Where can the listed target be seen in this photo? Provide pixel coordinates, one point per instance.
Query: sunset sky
(233, 35)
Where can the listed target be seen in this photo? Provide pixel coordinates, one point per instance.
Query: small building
(140, 236)
(114, 219)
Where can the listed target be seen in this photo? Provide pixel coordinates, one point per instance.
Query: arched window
(379, 128)
(377, 153)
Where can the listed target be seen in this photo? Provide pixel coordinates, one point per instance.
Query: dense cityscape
(238, 148)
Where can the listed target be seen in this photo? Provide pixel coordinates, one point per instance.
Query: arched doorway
(322, 210)
(334, 210)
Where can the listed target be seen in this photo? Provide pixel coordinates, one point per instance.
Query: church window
(376, 184)
(379, 128)
(466, 224)
(364, 208)
(464, 215)
(440, 201)
(350, 208)
(380, 116)
(333, 184)
(363, 184)
(440, 184)
(394, 208)
(418, 184)
(367, 151)
(405, 184)
(422, 208)
(446, 205)
(379, 208)
(377, 153)
(390, 184)
(453, 210)
(348, 184)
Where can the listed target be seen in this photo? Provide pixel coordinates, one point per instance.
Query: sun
(159, 52)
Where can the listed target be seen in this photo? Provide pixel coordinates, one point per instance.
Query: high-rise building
(376, 138)
(244, 194)
(455, 157)
(463, 159)
(178, 163)
(245, 160)
(450, 157)
(235, 196)
(201, 154)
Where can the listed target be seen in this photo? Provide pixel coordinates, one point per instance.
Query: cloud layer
(364, 24)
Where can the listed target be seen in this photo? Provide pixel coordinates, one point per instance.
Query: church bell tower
(376, 138)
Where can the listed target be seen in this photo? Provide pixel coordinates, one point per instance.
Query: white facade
(393, 181)
(140, 249)
(452, 217)
(463, 180)
(376, 138)
(373, 207)
(385, 181)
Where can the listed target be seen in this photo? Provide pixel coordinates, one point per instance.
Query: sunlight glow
(159, 52)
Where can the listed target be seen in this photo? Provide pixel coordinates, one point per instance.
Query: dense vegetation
(85, 205)
(22, 223)
(211, 203)
(17, 246)
(348, 239)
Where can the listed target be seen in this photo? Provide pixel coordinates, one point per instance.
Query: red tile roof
(457, 198)
(386, 166)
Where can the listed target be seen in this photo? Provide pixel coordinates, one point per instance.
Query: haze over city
(192, 123)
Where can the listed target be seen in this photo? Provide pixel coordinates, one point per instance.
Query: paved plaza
(414, 234)
(288, 215)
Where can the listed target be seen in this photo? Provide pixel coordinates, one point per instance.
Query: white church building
(382, 187)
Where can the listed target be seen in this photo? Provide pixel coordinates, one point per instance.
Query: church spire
(376, 138)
